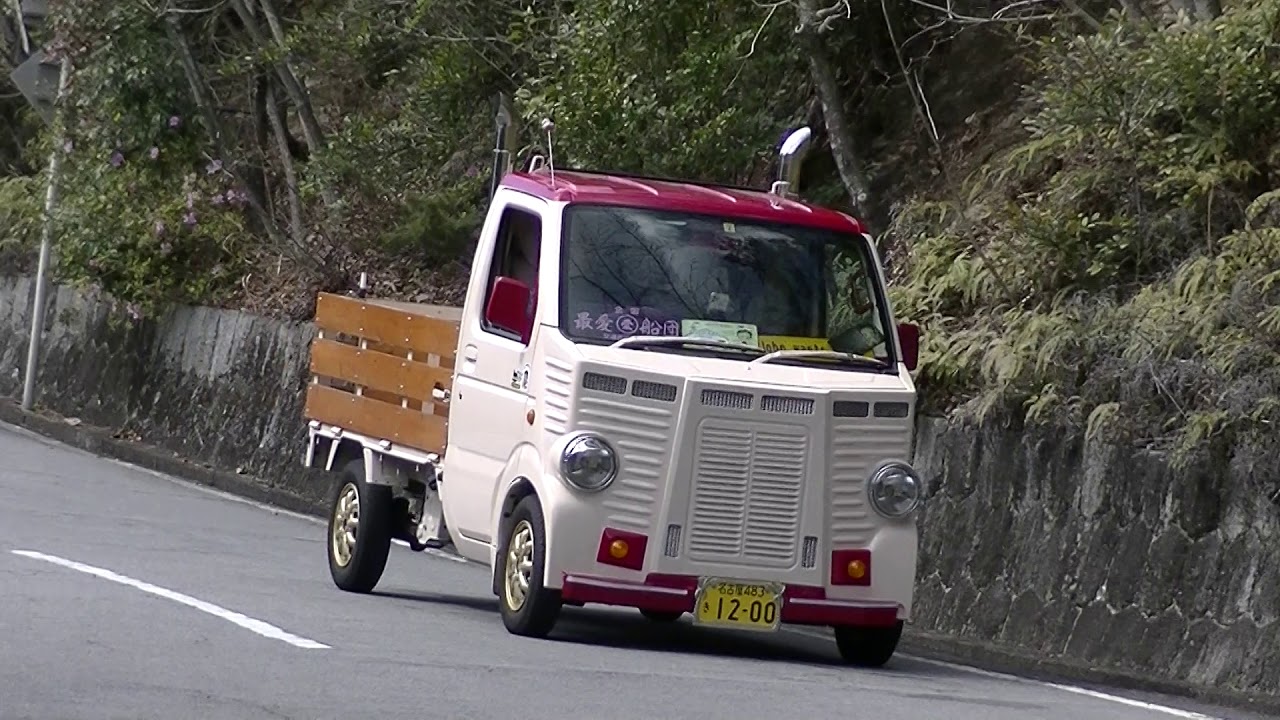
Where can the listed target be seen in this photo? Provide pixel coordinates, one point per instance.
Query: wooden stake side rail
(375, 364)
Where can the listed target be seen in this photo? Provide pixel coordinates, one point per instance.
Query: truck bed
(374, 365)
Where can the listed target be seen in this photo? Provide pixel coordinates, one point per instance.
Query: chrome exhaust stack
(504, 147)
(790, 159)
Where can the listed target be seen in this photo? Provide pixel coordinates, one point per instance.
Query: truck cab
(683, 398)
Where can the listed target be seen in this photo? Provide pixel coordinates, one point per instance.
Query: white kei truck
(677, 397)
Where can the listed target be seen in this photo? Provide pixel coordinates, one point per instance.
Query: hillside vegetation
(1078, 200)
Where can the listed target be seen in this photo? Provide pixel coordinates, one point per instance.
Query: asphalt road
(129, 595)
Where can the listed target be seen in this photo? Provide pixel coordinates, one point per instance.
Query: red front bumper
(801, 605)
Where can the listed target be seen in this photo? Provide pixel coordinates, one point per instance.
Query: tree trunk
(311, 131)
(261, 133)
(296, 228)
(839, 134)
(200, 93)
(297, 94)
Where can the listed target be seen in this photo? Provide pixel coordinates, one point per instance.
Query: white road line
(1164, 709)
(1132, 703)
(264, 629)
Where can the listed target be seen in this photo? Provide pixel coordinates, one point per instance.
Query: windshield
(629, 271)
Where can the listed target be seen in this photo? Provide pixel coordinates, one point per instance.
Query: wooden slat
(394, 399)
(376, 419)
(444, 362)
(377, 371)
(424, 329)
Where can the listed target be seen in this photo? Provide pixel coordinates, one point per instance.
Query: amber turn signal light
(618, 549)
(851, 567)
(622, 549)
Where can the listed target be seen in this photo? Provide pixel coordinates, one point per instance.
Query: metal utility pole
(46, 240)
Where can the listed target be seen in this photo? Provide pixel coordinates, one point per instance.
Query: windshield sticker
(740, 333)
(773, 343)
(625, 322)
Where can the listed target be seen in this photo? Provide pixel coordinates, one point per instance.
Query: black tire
(662, 616)
(868, 646)
(360, 569)
(536, 614)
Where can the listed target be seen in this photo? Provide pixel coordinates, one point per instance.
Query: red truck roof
(575, 186)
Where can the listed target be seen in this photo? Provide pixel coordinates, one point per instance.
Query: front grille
(856, 449)
(748, 482)
(726, 399)
(654, 391)
(809, 552)
(787, 405)
(673, 541)
(641, 433)
(604, 383)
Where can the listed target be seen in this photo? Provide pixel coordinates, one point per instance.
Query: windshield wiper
(821, 355)
(640, 341)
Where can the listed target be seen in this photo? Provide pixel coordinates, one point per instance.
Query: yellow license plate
(742, 605)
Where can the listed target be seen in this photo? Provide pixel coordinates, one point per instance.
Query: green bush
(1120, 262)
(147, 214)
(21, 212)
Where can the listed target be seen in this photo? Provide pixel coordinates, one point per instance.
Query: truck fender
(524, 470)
(334, 452)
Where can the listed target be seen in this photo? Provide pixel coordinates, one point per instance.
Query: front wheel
(527, 607)
(360, 518)
(868, 646)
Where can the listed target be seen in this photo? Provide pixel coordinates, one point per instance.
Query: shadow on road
(486, 605)
(627, 629)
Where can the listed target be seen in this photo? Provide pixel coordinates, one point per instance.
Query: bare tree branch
(839, 133)
(297, 95)
(296, 228)
(200, 93)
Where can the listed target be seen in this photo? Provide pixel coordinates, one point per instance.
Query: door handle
(469, 353)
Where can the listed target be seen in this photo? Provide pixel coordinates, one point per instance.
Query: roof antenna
(547, 127)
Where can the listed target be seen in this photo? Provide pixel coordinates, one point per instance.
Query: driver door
(490, 388)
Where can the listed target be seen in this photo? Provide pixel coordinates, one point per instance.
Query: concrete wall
(215, 386)
(1102, 555)
(1033, 542)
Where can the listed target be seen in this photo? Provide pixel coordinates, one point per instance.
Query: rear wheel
(662, 616)
(360, 526)
(527, 607)
(868, 646)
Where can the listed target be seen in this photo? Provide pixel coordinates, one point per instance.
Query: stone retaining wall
(218, 387)
(1104, 556)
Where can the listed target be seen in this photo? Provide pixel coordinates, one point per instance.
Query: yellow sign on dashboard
(788, 342)
(772, 343)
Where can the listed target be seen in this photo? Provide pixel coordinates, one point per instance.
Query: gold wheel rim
(346, 520)
(519, 566)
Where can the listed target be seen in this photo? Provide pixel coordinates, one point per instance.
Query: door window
(515, 256)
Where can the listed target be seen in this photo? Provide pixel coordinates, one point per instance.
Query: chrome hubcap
(519, 565)
(346, 520)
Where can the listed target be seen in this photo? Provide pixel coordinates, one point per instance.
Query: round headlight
(588, 463)
(894, 490)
